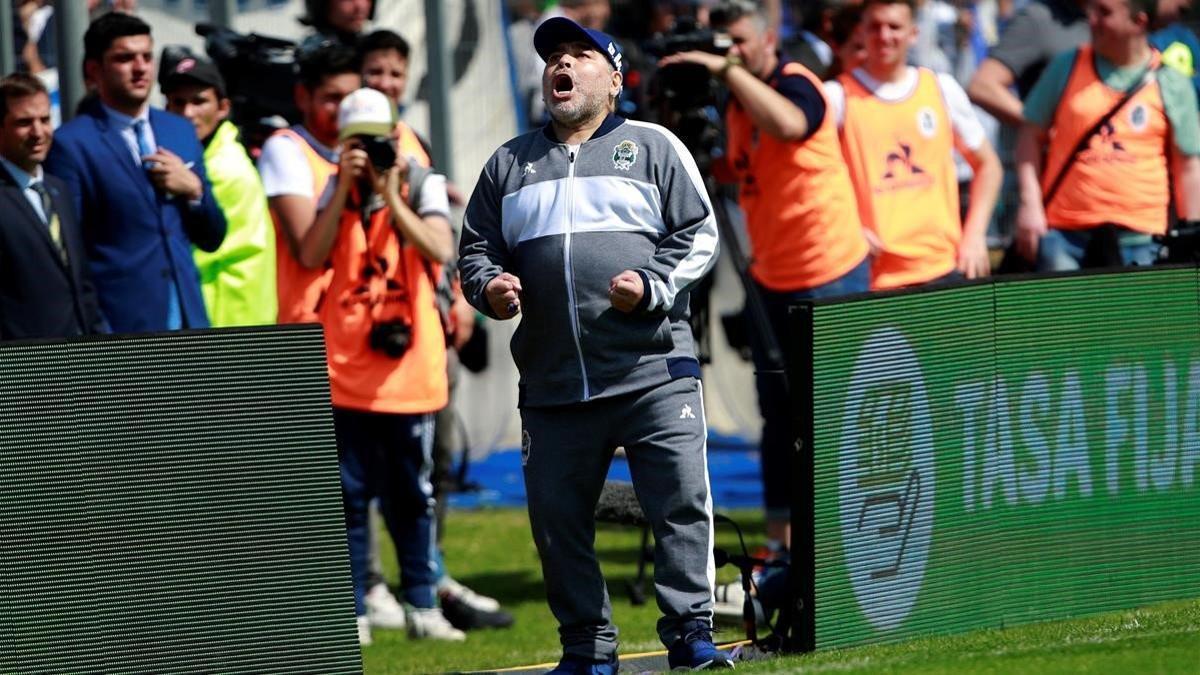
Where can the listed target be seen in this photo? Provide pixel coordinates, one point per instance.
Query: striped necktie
(50, 217)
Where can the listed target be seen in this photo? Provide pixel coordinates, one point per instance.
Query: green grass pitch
(492, 551)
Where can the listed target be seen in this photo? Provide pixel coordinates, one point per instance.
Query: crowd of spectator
(868, 143)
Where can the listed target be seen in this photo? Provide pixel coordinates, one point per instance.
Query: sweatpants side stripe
(711, 567)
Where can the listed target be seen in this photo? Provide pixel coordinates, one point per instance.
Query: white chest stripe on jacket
(599, 203)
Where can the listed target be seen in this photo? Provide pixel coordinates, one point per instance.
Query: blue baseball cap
(560, 30)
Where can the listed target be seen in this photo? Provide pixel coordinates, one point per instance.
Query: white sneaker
(482, 603)
(431, 624)
(364, 630)
(383, 611)
(729, 598)
(729, 601)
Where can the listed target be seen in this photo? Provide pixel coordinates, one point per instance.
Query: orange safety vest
(1122, 176)
(901, 162)
(410, 145)
(299, 289)
(799, 203)
(377, 279)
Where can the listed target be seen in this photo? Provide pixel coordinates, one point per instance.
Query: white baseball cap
(366, 112)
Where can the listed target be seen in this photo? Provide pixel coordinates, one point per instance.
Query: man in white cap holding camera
(594, 228)
(383, 228)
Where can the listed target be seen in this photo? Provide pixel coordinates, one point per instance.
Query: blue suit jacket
(136, 237)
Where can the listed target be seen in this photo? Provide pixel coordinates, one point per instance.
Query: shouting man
(594, 228)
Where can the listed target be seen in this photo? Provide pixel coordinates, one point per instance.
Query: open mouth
(562, 85)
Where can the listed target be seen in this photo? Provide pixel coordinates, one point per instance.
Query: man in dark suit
(137, 178)
(45, 290)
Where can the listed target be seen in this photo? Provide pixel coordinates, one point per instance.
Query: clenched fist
(504, 295)
(625, 291)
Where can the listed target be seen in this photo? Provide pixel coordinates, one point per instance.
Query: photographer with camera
(799, 204)
(385, 232)
(384, 56)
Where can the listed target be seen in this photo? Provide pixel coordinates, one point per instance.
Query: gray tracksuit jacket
(566, 223)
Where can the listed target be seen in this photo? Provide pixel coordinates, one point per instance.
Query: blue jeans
(389, 457)
(1064, 250)
(778, 432)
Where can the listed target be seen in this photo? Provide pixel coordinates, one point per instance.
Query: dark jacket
(632, 199)
(40, 295)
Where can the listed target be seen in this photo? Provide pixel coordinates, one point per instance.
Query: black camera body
(688, 35)
(381, 150)
(684, 95)
(391, 337)
(682, 86)
(259, 73)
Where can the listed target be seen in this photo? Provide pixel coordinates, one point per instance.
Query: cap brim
(365, 129)
(560, 30)
(175, 80)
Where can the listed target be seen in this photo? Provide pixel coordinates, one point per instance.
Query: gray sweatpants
(566, 452)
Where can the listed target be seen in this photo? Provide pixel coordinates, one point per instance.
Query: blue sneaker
(696, 651)
(578, 665)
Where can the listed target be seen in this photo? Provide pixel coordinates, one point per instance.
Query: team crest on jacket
(926, 122)
(625, 154)
(1138, 117)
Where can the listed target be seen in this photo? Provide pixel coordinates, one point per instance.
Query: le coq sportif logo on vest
(901, 171)
(886, 479)
(1106, 146)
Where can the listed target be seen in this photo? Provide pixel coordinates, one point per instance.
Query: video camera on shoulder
(683, 96)
(687, 85)
(688, 35)
(260, 73)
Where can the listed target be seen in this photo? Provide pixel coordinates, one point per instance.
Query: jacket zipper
(570, 274)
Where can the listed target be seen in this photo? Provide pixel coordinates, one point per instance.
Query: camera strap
(376, 242)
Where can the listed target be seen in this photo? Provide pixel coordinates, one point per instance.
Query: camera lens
(392, 338)
(380, 151)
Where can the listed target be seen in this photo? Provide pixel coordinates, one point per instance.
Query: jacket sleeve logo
(625, 154)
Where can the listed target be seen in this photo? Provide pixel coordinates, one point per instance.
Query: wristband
(730, 61)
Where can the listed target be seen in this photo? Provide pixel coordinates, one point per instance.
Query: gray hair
(729, 12)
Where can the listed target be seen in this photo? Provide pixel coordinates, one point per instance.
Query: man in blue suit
(137, 177)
